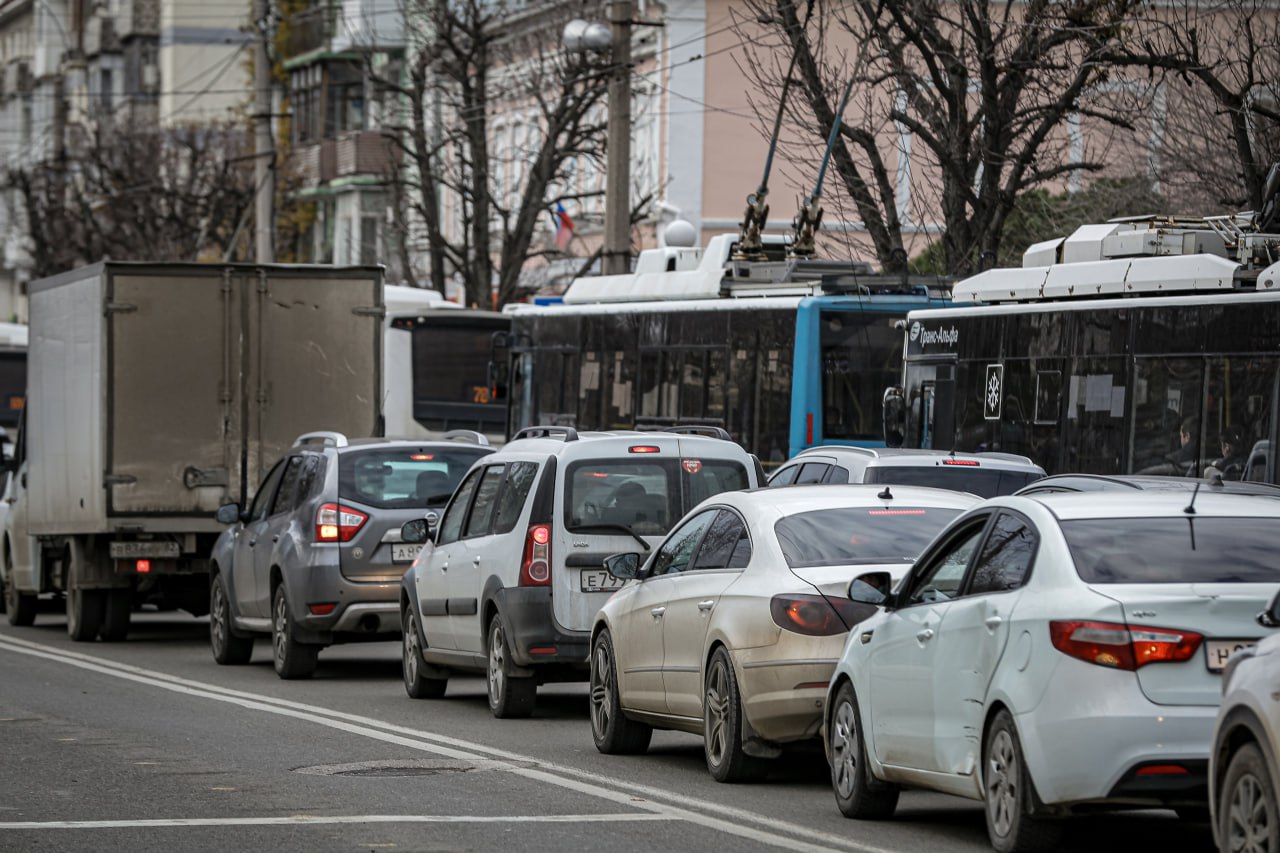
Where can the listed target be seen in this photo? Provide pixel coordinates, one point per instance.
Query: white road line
(702, 812)
(308, 820)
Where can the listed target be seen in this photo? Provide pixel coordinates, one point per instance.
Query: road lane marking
(305, 820)
(729, 819)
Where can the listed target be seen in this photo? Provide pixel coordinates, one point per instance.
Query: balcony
(310, 30)
(316, 163)
(364, 152)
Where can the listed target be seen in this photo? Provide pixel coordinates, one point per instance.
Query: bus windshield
(861, 356)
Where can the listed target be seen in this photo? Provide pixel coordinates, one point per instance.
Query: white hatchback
(1053, 651)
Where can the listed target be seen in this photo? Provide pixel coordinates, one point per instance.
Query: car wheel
(1006, 785)
(118, 612)
(20, 608)
(508, 696)
(1248, 813)
(85, 607)
(611, 729)
(858, 793)
(722, 724)
(228, 649)
(416, 684)
(292, 659)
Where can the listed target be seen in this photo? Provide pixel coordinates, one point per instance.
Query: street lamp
(615, 37)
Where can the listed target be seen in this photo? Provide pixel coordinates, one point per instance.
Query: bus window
(1240, 413)
(1094, 438)
(861, 356)
(1167, 395)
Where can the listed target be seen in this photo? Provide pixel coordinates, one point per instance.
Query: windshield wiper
(587, 528)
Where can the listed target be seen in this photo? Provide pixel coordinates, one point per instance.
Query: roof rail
(698, 429)
(327, 439)
(569, 433)
(467, 435)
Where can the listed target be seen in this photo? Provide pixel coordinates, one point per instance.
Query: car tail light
(644, 448)
(338, 523)
(968, 463)
(1119, 646)
(815, 615)
(535, 568)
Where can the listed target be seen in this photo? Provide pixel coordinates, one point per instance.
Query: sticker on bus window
(693, 466)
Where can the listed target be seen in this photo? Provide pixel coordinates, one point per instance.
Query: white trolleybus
(1139, 346)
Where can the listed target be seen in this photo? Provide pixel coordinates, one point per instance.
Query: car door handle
(994, 622)
(253, 542)
(704, 606)
(476, 561)
(444, 567)
(925, 635)
(275, 538)
(658, 611)
(866, 637)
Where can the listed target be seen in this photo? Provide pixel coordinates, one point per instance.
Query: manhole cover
(415, 767)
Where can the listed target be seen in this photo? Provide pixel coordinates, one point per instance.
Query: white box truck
(155, 394)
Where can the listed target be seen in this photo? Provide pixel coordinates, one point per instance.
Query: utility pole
(617, 190)
(263, 144)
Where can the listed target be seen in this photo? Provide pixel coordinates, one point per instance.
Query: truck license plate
(1217, 652)
(405, 553)
(131, 550)
(598, 580)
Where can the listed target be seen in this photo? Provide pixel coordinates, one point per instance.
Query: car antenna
(886, 495)
(1191, 507)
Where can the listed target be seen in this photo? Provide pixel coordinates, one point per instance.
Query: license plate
(1216, 652)
(130, 550)
(405, 553)
(598, 580)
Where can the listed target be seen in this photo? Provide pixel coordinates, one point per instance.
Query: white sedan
(732, 627)
(1054, 651)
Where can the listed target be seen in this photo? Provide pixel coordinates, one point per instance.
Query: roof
(1134, 482)
(815, 497)
(905, 456)
(1153, 504)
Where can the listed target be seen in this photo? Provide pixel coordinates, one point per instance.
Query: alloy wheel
(497, 661)
(601, 689)
(844, 749)
(717, 703)
(410, 654)
(1248, 826)
(281, 638)
(218, 617)
(1002, 783)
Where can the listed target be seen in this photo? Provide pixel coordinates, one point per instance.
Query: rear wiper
(588, 528)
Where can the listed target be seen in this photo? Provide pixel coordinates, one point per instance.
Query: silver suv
(317, 557)
(515, 574)
(986, 475)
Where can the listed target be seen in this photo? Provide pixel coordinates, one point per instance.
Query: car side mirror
(1270, 618)
(894, 414)
(228, 513)
(871, 588)
(417, 531)
(624, 567)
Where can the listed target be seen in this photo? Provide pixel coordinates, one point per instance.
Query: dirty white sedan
(732, 627)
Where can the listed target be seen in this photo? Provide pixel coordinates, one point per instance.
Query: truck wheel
(508, 697)
(20, 607)
(85, 611)
(292, 659)
(119, 609)
(227, 647)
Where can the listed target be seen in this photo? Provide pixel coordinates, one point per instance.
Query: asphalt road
(149, 745)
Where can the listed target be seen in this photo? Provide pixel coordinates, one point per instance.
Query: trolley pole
(263, 144)
(617, 191)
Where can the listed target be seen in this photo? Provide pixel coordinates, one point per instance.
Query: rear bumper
(362, 610)
(783, 694)
(534, 636)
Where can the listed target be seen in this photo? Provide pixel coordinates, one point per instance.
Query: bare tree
(1218, 66)
(984, 91)
(157, 195)
(469, 69)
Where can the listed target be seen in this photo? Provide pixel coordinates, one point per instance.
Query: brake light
(644, 448)
(422, 457)
(815, 615)
(142, 566)
(535, 568)
(1118, 646)
(338, 523)
(897, 512)
(970, 463)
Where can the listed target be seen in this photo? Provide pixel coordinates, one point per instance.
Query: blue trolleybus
(783, 354)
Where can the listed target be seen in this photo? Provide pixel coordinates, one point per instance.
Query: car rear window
(403, 477)
(1194, 549)
(648, 496)
(983, 482)
(857, 535)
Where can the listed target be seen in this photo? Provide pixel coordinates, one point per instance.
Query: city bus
(783, 354)
(437, 357)
(1139, 346)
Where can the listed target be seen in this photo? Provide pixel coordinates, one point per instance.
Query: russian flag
(564, 227)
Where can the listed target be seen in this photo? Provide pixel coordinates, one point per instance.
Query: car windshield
(1190, 549)
(403, 477)
(983, 482)
(858, 535)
